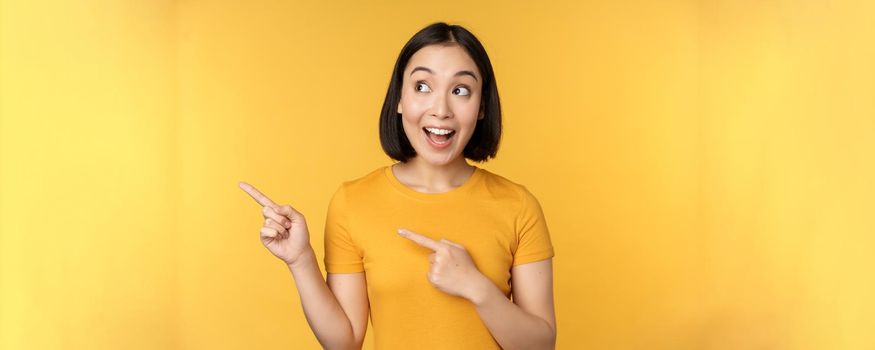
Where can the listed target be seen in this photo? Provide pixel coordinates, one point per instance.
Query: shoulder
(360, 185)
(504, 189)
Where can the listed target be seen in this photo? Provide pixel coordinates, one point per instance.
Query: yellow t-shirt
(499, 222)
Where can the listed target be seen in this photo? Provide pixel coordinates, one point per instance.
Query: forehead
(442, 60)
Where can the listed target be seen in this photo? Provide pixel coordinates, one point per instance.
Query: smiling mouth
(439, 139)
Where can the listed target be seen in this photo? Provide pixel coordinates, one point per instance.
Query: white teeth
(438, 131)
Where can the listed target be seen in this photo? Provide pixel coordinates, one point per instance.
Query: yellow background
(707, 168)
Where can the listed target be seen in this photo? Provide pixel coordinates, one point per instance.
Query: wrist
(482, 290)
(306, 258)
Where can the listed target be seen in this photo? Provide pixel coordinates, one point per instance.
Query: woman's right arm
(337, 310)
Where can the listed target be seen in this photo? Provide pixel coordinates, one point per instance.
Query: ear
(399, 107)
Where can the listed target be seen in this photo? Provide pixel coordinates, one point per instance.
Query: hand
(285, 231)
(452, 269)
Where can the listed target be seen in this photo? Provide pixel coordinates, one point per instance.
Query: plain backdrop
(705, 167)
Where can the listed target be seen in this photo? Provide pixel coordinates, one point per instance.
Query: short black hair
(487, 133)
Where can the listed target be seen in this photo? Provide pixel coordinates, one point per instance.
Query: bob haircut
(487, 133)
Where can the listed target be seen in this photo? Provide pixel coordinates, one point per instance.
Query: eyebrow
(459, 73)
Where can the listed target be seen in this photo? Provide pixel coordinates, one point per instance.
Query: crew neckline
(465, 187)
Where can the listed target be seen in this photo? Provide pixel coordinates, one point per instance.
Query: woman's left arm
(526, 323)
(529, 322)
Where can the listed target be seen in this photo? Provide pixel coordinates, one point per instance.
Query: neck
(426, 177)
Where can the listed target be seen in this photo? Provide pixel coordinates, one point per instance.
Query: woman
(464, 234)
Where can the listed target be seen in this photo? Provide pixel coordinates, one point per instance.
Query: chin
(437, 159)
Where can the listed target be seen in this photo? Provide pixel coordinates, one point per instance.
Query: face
(440, 93)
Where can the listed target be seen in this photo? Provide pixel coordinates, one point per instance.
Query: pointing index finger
(419, 239)
(257, 195)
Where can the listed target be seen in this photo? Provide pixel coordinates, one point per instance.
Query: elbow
(351, 342)
(544, 340)
(550, 342)
(354, 346)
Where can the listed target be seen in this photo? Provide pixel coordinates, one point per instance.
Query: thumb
(287, 211)
(447, 241)
(275, 208)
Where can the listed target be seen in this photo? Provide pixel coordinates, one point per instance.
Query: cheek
(410, 123)
(414, 106)
(467, 111)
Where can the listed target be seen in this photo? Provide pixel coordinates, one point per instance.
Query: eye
(420, 83)
(463, 91)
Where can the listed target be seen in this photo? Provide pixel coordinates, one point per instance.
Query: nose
(441, 107)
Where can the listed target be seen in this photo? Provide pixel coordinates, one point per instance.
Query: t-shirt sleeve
(533, 237)
(341, 253)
